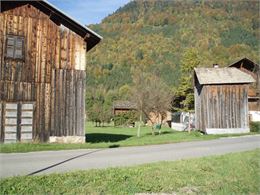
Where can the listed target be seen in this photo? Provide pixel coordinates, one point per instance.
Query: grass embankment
(110, 136)
(237, 173)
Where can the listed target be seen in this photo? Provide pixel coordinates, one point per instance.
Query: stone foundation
(67, 139)
(227, 131)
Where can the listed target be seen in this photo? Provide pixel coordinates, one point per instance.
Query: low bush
(125, 119)
(255, 127)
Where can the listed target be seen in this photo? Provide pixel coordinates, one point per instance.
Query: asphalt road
(34, 163)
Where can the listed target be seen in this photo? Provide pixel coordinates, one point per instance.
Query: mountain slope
(153, 35)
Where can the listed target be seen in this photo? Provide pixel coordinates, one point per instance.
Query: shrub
(255, 127)
(125, 119)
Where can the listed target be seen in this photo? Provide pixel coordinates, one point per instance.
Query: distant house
(42, 73)
(221, 104)
(123, 107)
(252, 69)
(124, 113)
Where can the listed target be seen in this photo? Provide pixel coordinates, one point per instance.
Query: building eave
(58, 17)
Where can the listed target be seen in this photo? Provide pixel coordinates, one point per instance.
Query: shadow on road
(114, 146)
(49, 167)
(105, 137)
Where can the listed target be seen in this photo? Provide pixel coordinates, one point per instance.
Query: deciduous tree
(152, 96)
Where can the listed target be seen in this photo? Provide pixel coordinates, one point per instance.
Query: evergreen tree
(184, 95)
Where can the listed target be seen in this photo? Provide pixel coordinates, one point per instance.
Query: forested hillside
(154, 36)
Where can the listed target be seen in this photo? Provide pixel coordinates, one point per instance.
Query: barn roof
(246, 63)
(124, 105)
(245, 60)
(222, 76)
(58, 17)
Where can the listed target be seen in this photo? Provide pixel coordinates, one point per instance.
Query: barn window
(15, 47)
(17, 121)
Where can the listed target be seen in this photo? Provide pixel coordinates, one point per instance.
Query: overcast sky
(88, 11)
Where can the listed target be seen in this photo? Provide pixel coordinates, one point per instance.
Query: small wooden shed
(121, 106)
(42, 73)
(122, 111)
(221, 103)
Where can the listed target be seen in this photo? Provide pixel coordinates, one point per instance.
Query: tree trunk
(153, 129)
(150, 119)
(189, 123)
(139, 125)
(161, 122)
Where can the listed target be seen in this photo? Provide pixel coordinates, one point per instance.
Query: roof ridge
(223, 75)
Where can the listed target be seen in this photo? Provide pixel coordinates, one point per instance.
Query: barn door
(17, 122)
(10, 123)
(26, 122)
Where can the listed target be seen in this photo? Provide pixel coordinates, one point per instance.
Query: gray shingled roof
(222, 76)
(124, 105)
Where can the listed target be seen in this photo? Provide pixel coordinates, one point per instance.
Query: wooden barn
(42, 73)
(253, 69)
(221, 103)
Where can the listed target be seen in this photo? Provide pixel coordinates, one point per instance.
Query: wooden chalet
(221, 104)
(42, 73)
(252, 69)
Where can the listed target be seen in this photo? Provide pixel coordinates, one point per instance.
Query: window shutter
(15, 47)
(19, 48)
(10, 47)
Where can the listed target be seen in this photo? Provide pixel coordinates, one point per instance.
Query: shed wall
(221, 106)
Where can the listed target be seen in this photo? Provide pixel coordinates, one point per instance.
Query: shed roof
(58, 17)
(222, 76)
(124, 105)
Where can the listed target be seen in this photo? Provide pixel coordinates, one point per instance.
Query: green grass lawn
(110, 136)
(237, 173)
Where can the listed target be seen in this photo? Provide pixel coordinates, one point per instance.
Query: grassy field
(110, 136)
(237, 173)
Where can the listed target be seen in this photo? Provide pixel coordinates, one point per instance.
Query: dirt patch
(190, 190)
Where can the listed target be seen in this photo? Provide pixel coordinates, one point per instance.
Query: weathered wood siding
(1, 123)
(221, 106)
(121, 111)
(47, 46)
(51, 75)
(68, 103)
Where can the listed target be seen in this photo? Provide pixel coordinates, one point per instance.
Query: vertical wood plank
(19, 113)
